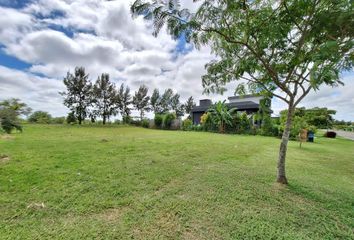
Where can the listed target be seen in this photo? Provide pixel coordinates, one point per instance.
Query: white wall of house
(254, 99)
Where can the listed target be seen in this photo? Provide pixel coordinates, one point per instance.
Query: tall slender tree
(165, 101)
(141, 101)
(155, 101)
(189, 105)
(104, 97)
(176, 105)
(124, 100)
(78, 96)
(303, 45)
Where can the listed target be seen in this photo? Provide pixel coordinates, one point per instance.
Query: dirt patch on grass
(4, 158)
(6, 137)
(36, 206)
(110, 215)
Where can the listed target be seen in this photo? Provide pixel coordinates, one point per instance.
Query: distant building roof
(245, 105)
(243, 96)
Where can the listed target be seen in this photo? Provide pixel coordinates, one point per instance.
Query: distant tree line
(103, 99)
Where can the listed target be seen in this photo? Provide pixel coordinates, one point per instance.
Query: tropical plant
(303, 45)
(78, 97)
(104, 98)
(141, 101)
(221, 115)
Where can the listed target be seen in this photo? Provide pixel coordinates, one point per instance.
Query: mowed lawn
(71, 182)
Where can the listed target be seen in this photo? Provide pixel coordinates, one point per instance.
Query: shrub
(330, 134)
(167, 120)
(9, 120)
(145, 123)
(245, 123)
(58, 120)
(40, 117)
(187, 124)
(71, 118)
(158, 120)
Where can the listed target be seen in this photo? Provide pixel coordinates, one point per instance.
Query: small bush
(145, 123)
(158, 120)
(187, 124)
(40, 117)
(167, 120)
(71, 118)
(58, 120)
(330, 134)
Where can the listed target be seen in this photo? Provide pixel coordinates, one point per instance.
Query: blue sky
(41, 40)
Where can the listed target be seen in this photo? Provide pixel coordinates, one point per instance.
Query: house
(246, 103)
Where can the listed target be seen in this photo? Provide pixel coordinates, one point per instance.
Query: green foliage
(78, 96)
(9, 120)
(176, 105)
(165, 101)
(58, 120)
(10, 110)
(71, 118)
(145, 123)
(221, 115)
(158, 119)
(189, 105)
(104, 98)
(187, 124)
(269, 128)
(40, 117)
(141, 101)
(124, 100)
(167, 120)
(245, 123)
(155, 102)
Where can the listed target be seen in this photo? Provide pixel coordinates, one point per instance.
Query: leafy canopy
(291, 46)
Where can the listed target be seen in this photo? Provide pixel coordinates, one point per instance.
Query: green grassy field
(70, 182)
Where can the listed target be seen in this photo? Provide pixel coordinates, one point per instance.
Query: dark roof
(244, 96)
(246, 105)
(243, 105)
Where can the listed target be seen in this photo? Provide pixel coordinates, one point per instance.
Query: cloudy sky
(41, 40)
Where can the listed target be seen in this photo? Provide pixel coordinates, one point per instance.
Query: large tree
(189, 105)
(78, 96)
(104, 97)
(141, 101)
(283, 48)
(16, 105)
(124, 100)
(10, 111)
(165, 101)
(155, 101)
(177, 106)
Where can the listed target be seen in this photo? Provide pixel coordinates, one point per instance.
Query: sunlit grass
(70, 182)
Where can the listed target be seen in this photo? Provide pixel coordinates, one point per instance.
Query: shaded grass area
(70, 182)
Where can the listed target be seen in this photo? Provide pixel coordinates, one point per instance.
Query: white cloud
(103, 37)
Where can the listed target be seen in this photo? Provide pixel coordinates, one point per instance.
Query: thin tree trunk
(104, 119)
(281, 178)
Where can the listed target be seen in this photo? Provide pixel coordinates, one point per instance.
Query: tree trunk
(104, 119)
(281, 178)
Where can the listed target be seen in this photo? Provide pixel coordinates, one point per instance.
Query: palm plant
(221, 115)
